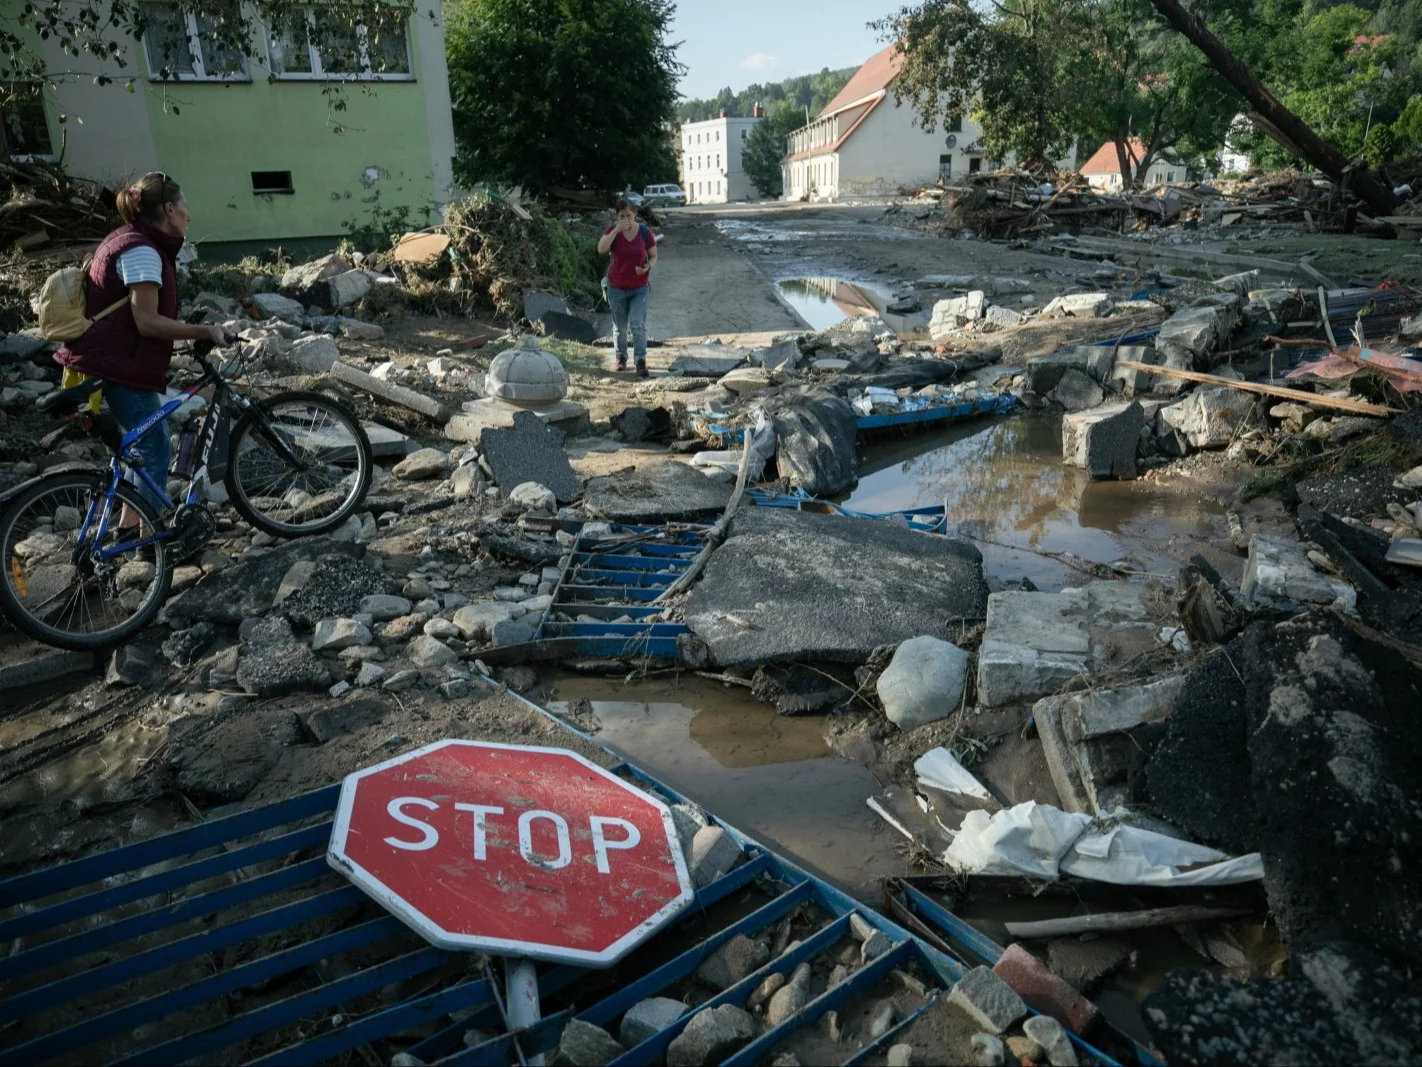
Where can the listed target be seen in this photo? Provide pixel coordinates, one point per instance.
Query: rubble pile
(1012, 203)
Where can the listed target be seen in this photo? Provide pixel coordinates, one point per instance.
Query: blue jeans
(129, 407)
(629, 312)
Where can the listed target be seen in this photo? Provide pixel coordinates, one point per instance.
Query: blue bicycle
(88, 560)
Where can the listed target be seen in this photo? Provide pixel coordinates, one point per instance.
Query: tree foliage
(808, 91)
(563, 93)
(1010, 66)
(765, 148)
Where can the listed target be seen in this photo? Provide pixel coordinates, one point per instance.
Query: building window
(975, 165)
(272, 182)
(184, 46)
(955, 123)
(743, 133)
(312, 43)
(1170, 177)
(26, 128)
(945, 168)
(718, 188)
(718, 162)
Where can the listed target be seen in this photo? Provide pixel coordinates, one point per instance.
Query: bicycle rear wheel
(300, 464)
(79, 597)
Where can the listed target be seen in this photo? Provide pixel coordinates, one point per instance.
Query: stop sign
(511, 850)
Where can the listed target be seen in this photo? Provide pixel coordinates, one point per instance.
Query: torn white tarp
(1041, 841)
(939, 769)
(762, 447)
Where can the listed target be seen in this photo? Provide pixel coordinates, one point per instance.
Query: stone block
(427, 651)
(343, 290)
(276, 306)
(1078, 391)
(1209, 417)
(421, 466)
(1279, 575)
(988, 1000)
(713, 853)
(712, 1035)
(476, 621)
(316, 354)
(585, 1045)
(333, 635)
(1047, 1033)
(1033, 644)
(1042, 990)
(649, 1017)
(1079, 305)
(1197, 330)
(1103, 442)
(738, 958)
(383, 608)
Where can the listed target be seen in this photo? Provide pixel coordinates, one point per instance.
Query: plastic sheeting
(1040, 841)
(939, 769)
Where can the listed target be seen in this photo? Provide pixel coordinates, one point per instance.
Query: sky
(738, 42)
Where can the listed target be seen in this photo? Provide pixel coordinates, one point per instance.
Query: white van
(668, 195)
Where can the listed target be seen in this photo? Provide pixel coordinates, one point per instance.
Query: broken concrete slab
(1077, 391)
(395, 394)
(708, 361)
(317, 354)
(663, 491)
(1279, 575)
(1079, 305)
(25, 663)
(565, 326)
(536, 302)
(274, 663)
(1103, 442)
(1211, 417)
(250, 587)
(1085, 737)
(1197, 330)
(1035, 643)
(528, 451)
(563, 416)
(783, 354)
(829, 587)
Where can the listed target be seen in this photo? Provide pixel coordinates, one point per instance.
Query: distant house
(864, 143)
(711, 171)
(257, 149)
(1103, 169)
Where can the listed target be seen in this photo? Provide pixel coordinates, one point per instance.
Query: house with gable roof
(865, 143)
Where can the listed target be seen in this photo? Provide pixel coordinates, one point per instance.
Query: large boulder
(815, 435)
(923, 682)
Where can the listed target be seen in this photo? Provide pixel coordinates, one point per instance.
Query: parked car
(667, 195)
(635, 199)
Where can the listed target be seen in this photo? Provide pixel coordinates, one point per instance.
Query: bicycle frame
(128, 459)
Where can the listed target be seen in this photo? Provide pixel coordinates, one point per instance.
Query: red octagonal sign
(511, 850)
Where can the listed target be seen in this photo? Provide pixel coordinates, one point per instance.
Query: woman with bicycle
(130, 350)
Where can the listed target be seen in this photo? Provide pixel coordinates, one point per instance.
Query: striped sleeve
(140, 264)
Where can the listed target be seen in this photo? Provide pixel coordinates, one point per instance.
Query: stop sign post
(512, 850)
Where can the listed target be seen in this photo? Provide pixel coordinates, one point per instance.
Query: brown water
(771, 776)
(1003, 481)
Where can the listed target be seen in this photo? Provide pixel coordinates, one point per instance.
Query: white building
(1103, 170)
(711, 159)
(864, 143)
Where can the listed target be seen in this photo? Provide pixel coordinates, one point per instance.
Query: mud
(772, 776)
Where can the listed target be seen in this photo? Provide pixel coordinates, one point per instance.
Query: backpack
(61, 305)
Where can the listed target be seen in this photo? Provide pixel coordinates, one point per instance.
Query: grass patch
(1302, 457)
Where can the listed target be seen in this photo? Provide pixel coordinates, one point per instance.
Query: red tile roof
(877, 72)
(1104, 160)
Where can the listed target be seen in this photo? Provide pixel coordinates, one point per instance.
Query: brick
(1042, 990)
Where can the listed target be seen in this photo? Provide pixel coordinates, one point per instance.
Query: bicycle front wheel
(300, 464)
(85, 596)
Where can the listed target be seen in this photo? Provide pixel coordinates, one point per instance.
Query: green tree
(811, 91)
(765, 148)
(563, 93)
(1143, 81)
(1012, 66)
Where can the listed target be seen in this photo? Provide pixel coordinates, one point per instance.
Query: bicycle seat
(68, 401)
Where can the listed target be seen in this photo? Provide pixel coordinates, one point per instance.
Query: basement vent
(271, 181)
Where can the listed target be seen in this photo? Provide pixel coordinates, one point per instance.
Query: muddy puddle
(807, 229)
(771, 776)
(1003, 484)
(823, 302)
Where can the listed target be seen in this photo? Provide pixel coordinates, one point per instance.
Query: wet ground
(772, 776)
(1003, 484)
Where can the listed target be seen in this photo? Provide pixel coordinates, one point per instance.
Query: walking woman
(629, 283)
(131, 348)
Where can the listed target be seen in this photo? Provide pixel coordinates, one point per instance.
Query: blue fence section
(234, 959)
(931, 519)
(603, 604)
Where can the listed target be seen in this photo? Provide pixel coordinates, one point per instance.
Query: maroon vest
(112, 348)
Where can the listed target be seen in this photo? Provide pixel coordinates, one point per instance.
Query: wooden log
(718, 532)
(1120, 920)
(1355, 407)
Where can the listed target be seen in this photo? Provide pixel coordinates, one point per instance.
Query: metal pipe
(521, 989)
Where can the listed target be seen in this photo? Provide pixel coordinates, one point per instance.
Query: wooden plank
(1356, 407)
(1120, 920)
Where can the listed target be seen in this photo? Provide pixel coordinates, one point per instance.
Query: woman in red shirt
(628, 283)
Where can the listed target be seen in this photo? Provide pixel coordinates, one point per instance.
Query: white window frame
(318, 74)
(199, 71)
